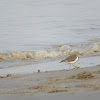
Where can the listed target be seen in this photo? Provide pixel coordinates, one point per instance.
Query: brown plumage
(71, 59)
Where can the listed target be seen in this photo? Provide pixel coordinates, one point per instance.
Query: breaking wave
(58, 51)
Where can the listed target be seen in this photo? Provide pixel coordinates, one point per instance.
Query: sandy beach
(52, 84)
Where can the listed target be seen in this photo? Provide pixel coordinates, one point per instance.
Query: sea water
(42, 29)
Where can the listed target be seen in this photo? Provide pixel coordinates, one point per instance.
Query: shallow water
(49, 65)
(29, 27)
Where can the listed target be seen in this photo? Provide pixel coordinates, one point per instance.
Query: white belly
(73, 61)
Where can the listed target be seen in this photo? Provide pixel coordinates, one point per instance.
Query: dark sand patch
(47, 89)
(56, 90)
(24, 95)
(82, 75)
(36, 87)
(96, 72)
(55, 78)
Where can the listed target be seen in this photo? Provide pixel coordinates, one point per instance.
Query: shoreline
(51, 83)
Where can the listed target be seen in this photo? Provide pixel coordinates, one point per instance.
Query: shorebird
(72, 59)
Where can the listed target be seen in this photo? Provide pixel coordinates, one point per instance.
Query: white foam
(51, 53)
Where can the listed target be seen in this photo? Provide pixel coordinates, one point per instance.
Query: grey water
(32, 25)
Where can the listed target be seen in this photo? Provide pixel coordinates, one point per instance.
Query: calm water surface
(31, 25)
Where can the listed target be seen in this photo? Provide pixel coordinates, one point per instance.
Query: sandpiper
(72, 59)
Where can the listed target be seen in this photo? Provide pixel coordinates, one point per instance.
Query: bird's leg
(69, 66)
(75, 66)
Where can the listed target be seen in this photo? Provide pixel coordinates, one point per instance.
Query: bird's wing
(71, 58)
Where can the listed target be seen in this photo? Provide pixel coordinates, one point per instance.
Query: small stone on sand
(38, 71)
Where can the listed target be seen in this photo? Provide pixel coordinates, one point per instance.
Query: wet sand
(77, 82)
